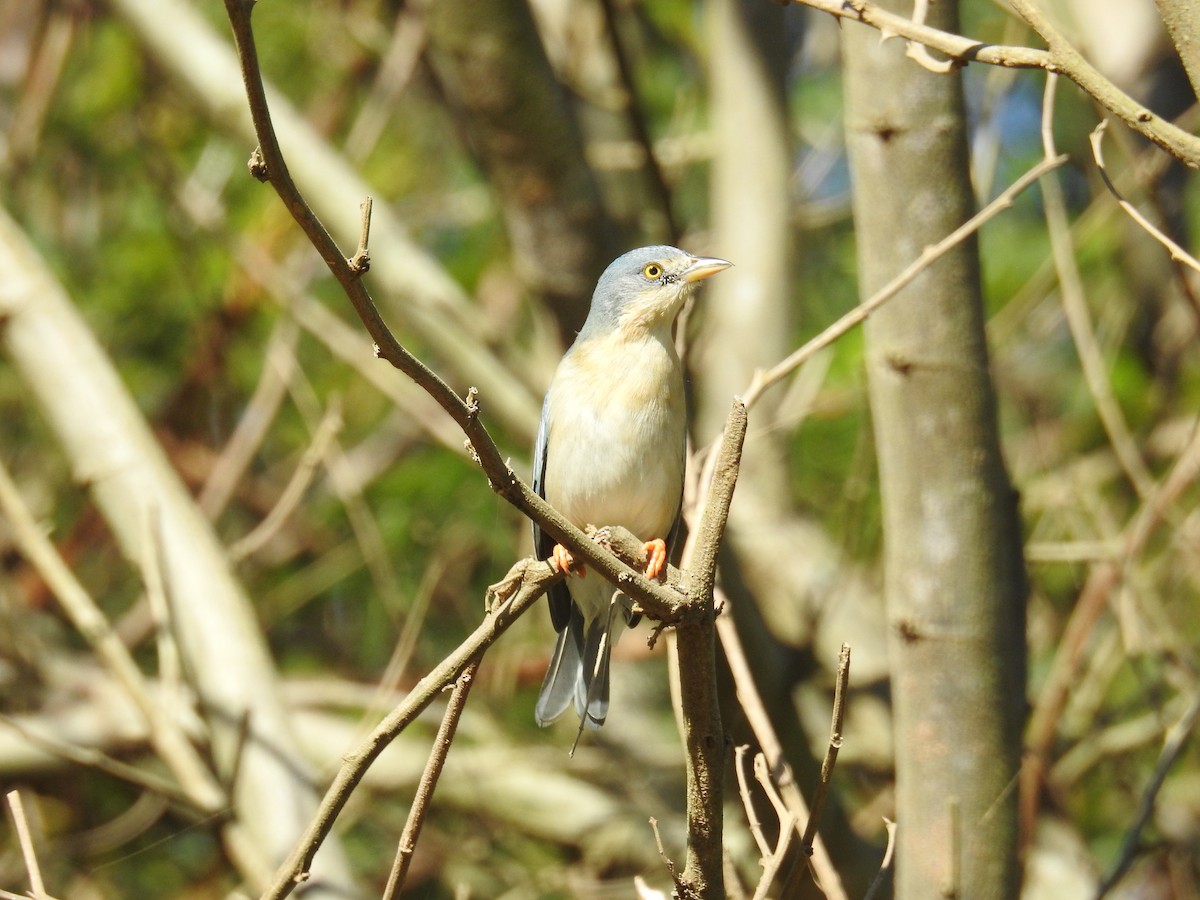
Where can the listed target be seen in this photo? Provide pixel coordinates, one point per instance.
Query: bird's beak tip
(704, 266)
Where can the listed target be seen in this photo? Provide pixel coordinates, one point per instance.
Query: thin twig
(507, 600)
(831, 752)
(1177, 252)
(886, 866)
(756, 714)
(1079, 320)
(25, 838)
(787, 828)
(756, 831)
(429, 780)
(764, 379)
(919, 53)
(1173, 745)
(773, 863)
(662, 854)
(295, 489)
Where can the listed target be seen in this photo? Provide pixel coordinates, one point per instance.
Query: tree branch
(509, 598)
(831, 752)
(429, 780)
(1060, 57)
(703, 734)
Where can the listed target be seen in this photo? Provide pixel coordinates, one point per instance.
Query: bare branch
(1079, 319)
(703, 734)
(525, 583)
(760, 723)
(1061, 57)
(25, 838)
(831, 752)
(765, 379)
(1177, 253)
(1176, 738)
(787, 828)
(756, 831)
(886, 866)
(429, 779)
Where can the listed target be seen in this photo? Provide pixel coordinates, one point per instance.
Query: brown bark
(955, 582)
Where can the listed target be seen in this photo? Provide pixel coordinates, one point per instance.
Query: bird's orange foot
(656, 557)
(562, 560)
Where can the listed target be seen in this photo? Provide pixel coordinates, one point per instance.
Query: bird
(610, 452)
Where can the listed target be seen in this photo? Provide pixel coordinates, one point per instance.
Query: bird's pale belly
(629, 472)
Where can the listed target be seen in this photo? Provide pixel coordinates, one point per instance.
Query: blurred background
(512, 150)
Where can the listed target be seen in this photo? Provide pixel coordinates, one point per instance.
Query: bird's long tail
(579, 668)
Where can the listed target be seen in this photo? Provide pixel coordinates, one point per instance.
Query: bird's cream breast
(625, 394)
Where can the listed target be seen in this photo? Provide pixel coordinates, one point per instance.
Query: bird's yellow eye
(652, 271)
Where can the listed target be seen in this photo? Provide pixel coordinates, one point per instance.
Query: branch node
(360, 262)
(258, 166)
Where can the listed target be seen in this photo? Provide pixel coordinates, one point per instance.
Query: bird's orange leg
(562, 560)
(656, 557)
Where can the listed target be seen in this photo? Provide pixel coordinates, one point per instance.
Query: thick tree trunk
(1182, 18)
(955, 580)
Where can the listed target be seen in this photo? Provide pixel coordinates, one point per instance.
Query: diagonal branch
(510, 598)
(429, 780)
(659, 602)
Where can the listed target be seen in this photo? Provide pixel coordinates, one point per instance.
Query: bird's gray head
(646, 287)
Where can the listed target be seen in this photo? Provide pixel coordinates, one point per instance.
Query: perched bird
(610, 451)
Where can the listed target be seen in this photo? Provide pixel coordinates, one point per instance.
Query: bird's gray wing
(543, 545)
(677, 535)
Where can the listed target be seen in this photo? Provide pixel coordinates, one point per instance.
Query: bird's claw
(656, 558)
(562, 560)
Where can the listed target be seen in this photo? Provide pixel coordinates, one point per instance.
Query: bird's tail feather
(558, 687)
(579, 669)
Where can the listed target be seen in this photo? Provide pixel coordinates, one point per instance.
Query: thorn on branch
(258, 166)
(658, 629)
